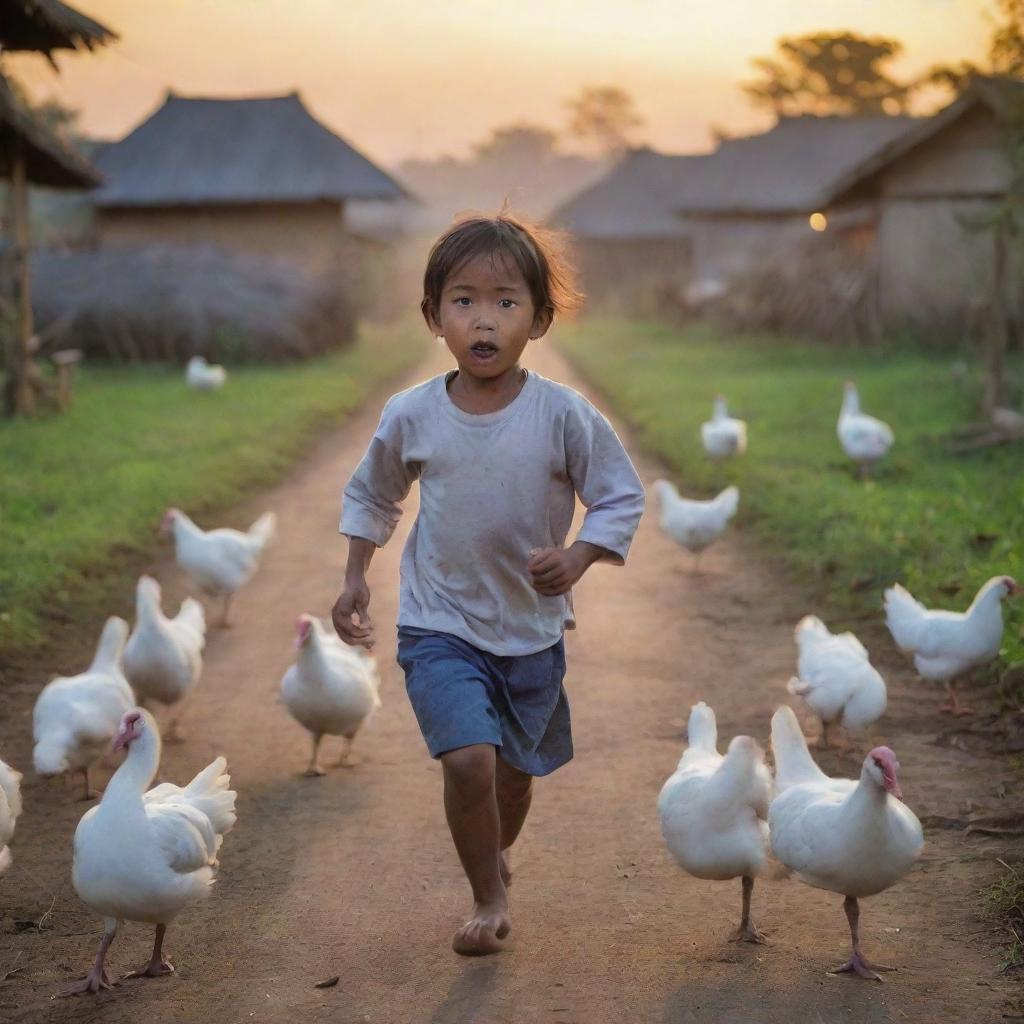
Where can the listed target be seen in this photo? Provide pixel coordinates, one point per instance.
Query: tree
(518, 144)
(604, 115)
(1005, 51)
(829, 73)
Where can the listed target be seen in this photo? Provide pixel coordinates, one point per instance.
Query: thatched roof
(46, 25)
(791, 169)
(1003, 96)
(215, 151)
(49, 160)
(634, 200)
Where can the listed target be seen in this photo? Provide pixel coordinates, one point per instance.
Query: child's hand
(553, 571)
(354, 600)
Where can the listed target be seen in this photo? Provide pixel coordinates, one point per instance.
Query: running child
(501, 454)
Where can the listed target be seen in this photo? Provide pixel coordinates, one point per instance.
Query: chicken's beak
(1015, 590)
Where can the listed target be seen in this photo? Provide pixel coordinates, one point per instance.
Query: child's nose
(485, 323)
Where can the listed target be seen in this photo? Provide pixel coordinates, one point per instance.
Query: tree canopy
(830, 73)
(605, 116)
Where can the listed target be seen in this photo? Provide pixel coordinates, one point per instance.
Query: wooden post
(22, 367)
(1000, 325)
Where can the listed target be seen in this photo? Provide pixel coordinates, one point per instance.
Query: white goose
(144, 856)
(332, 689)
(835, 678)
(219, 561)
(694, 525)
(722, 435)
(202, 376)
(947, 645)
(713, 811)
(851, 837)
(163, 657)
(10, 808)
(864, 438)
(76, 717)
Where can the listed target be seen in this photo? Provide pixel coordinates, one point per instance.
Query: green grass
(941, 524)
(1003, 901)
(82, 493)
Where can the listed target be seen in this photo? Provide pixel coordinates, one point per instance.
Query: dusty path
(354, 874)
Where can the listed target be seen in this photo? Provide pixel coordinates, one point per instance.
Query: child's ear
(541, 323)
(432, 322)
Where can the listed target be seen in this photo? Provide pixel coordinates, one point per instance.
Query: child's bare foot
(482, 934)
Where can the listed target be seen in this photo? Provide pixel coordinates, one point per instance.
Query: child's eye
(462, 300)
(506, 303)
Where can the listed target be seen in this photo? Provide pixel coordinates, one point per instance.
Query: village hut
(260, 176)
(29, 153)
(941, 258)
(761, 198)
(42, 26)
(32, 154)
(627, 235)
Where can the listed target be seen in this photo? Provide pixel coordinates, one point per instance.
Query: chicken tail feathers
(262, 531)
(191, 614)
(903, 616)
(209, 793)
(728, 501)
(702, 729)
(793, 761)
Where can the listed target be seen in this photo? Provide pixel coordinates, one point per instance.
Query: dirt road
(354, 874)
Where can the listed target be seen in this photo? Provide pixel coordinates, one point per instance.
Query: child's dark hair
(534, 250)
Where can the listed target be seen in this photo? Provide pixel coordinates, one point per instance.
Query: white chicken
(202, 376)
(10, 808)
(332, 689)
(713, 811)
(219, 561)
(695, 525)
(163, 657)
(835, 678)
(722, 435)
(864, 438)
(851, 837)
(76, 717)
(947, 645)
(145, 855)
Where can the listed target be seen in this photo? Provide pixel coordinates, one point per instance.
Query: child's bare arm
(553, 571)
(354, 599)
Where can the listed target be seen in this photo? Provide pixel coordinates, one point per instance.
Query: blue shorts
(462, 695)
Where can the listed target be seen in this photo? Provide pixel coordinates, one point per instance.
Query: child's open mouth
(484, 350)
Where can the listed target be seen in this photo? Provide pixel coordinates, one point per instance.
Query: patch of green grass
(1004, 902)
(86, 489)
(941, 524)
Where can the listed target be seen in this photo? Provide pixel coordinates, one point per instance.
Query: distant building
(752, 202)
(262, 176)
(931, 192)
(626, 229)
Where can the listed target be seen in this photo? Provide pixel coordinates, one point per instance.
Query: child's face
(486, 317)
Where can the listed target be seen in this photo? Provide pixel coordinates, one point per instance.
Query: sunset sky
(398, 78)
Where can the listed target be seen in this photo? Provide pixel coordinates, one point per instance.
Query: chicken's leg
(857, 964)
(747, 931)
(88, 793)
(157, 966)
(224, 620)
(314, 770)
(953, 705)
(97, 978)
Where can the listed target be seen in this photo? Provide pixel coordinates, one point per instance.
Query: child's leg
(472, 810)
(514, 791)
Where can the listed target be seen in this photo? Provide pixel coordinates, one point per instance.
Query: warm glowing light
(818, 221)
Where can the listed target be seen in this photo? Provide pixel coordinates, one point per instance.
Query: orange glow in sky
(406, 78)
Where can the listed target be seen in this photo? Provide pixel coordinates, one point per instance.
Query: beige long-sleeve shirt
(492, 487)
